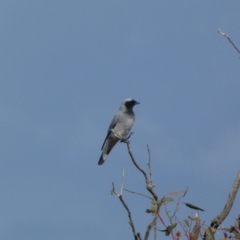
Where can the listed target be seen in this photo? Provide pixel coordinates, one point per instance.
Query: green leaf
(168, 199)
(160, 202)
(176, 192)
(150, 211)
(227, 229)
(169, 229)
(230, 230)
(186, 222)
(153, 208)
(193, 206)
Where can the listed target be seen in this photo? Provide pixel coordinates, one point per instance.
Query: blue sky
(65, 68)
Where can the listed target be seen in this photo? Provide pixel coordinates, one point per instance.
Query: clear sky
(65, 67)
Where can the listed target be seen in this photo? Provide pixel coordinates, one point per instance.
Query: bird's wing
(112, 125)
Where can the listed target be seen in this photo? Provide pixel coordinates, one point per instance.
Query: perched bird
(119, 127)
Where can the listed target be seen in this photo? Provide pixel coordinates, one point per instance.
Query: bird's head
(128, 104)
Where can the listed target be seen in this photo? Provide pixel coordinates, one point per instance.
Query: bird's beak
(136, 102)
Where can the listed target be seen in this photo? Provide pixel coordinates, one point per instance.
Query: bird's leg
(126, 139)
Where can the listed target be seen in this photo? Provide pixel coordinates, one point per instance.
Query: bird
(119, 128)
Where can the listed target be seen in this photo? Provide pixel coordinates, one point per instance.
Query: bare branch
(129, 216)
(150, 226)
(136, 235)
(139, 236)
(121, 191)
(183, 227)
(155, 232)
(149, 164)
(149, 184)
(225, 35)
(113, 191)
(137, 193)
(220, 218)
(196, 230)
(237, 223)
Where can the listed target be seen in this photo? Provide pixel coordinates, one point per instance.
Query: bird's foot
(126, 139)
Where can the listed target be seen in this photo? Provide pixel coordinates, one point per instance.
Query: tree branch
(228, 38)
(136, 236)
(130, 217)
(220, 218)
(143, 195)
(150, 226)
(149, 184)
(149, 164)
(196, 229)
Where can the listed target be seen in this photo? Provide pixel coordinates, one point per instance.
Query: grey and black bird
(119, 127)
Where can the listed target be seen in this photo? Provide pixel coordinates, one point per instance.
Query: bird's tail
(110, 142)
(102, 158)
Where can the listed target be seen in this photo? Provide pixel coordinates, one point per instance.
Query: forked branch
(149, 184)
(119, 195)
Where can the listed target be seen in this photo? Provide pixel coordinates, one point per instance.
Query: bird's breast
(124, 126)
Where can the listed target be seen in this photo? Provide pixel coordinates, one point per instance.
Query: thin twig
(121, 191)
(155, 232)
(161, 220)
(176, 209)
(203, 224)
(149, 185)
(113, 191)
(183, 227)
(225, 35)
(137, 193)
(149, 164)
